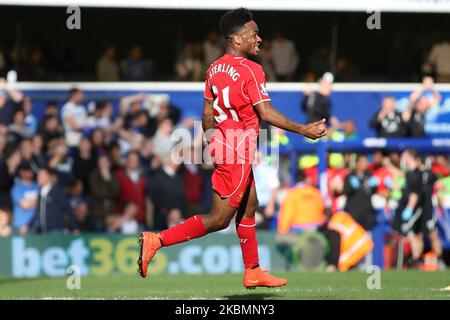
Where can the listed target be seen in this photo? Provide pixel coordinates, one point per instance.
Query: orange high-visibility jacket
(302, 206)
(355, 243)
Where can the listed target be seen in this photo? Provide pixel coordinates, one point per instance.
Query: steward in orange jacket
(302, 208)
(355, 243)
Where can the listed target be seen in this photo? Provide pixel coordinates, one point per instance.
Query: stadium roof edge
(437, 6)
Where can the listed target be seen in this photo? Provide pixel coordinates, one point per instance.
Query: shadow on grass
(252, 296)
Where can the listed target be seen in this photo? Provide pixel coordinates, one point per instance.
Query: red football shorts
(232, 150)
(232, 181)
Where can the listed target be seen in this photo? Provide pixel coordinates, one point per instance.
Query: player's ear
(237, 39)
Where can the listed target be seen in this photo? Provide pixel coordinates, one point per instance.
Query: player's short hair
(234, 20)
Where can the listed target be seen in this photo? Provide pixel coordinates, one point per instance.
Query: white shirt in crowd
(134, 175)
(79, 114)
(284, 56)
(129, 226)
(163, 144)
(45, 190)
(169, 171)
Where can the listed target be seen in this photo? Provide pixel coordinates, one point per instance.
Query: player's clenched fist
(315, 130)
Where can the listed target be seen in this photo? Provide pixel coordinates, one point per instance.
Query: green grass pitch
(302, 285)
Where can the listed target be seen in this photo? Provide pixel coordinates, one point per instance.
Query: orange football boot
(149, 243)
(258, 277)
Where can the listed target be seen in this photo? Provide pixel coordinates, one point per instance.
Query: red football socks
(246, 231)
(190, 229)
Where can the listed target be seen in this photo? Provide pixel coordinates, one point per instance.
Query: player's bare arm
(272, 116)
(208, 118)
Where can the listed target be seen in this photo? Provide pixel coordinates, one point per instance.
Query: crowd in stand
(85, 169)
(79, 170)
(279, 57)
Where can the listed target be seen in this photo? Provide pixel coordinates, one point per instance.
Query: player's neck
(236, 52)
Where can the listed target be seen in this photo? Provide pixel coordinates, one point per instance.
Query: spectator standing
(107, 66)
(61, 162)
(100, 141)
(388, 122)
(167, 192)
(317, 105)
(149, 161)
(50, 130)
(53, 213)
(439, 60)
(84, 162)
(132, 186)
(10, 101)
(51, 109)
(18, 130)
(212, 48)
(24, 195)
(420, 101)
(27, 154)
(359, 186)
(74, 117)
(163, 143)
(193, 182)
(37, 150)
(136, 67)
(189, 66)
(285, 57)
(302, 208)
(105, 188)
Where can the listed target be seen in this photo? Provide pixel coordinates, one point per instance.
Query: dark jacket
(316, 106)
(103, 194)
(359, 204)
(166, 193)
(53, 213)
(392, 126)
(416, 125)
(6, 183)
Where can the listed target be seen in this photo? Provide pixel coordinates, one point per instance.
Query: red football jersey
(236, 85)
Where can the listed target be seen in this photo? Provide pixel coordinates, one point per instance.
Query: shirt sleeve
(256, 87)
(208, 94)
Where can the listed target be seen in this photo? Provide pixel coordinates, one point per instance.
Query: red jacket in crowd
(132, 192)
